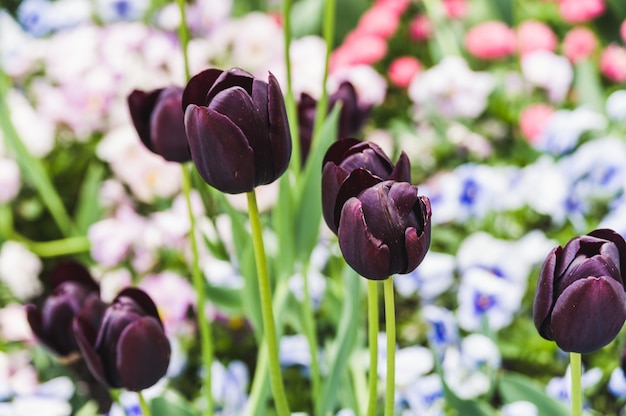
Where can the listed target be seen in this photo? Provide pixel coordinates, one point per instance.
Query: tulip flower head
(385, 230)
(580, 301)
(74, 292)
(237, 129)
(129, 349)
(349, 167)
(158, 119)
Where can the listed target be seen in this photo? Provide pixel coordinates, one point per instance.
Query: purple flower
(385, 230)
(351, 166)
(129, 349)
(580, 301)
(237, 129)
(74, 292)
(159, 122)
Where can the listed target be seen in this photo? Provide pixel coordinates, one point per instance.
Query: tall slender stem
(576, 374)
(143, 405)
(329, 35)
(390, 325)
(206, 339)
(290, 103)
(311, 335)
(372, 316)
(276, 380)
(183, 34)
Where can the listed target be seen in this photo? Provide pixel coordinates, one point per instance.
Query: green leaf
(306, 17)
(171, 404)
(308, 210)
(224, 297)
(282, 219)
(514, 387)
(339, 351)
(32, 167)
(587, 82)
(88, 209)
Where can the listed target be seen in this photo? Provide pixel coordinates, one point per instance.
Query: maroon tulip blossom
(350, 166)
(580, 301)
(159, 121)
(129, 349)
(237, 129)
(73, 292)
(385, 230)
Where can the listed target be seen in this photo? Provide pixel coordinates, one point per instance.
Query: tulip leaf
(88, 209)
(339, 351)
(587, 82)
(514, 387)
(283, 217)
(308, 210)
(32, 167)
(171, 404)
(224, 297)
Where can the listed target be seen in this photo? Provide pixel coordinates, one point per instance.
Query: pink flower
(533, 119)
(358, 50)
(613, 63)
(533, 35)
(403, 69)
(397, 6)
(455, 9)
(622, 30)
(490, 40)
(579, 44)
(379, 21)
(577, 11)
(420, 28)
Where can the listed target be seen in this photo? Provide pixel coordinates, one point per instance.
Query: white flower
(433, 277)
(115, 10)
(520, 408)
(452, 89)
(19, 270)
(616, 105)
(307, 56)
(565, 127)
(36, 133)
(617, 383)
(443, 330)
(18, 50)
(10, 179)
(369, 85)
(229, 385)
(549, 71)
(424, 397)
(544, 188)
(13, 323)
(294, 350)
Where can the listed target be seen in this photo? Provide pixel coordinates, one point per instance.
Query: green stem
(311, 335)
(143, 405)
(290, 103)
(183, 35)
(206, 343)
(329, 35)
(576, 373)
(390, 327)
(276, 380)
(372, 311)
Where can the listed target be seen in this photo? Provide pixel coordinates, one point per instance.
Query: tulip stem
(290, 103)
(143, 405)
(183, 35)
(576, 374)
(276, 380)
(206, 343)
(390, 328)
(329, 36)
(311, 334)
(372, 310)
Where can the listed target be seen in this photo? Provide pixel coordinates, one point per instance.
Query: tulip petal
(168, 128)
(219, 150)
(366, 254)
(85, 336)
(417, 244)
(197, 87)
(143, 354)
(337, 151)
(356, 182)
(402, 171)
(143, 300)
(618, 240)
(279, 133)
(232, 78)
(589, 314)
(140, 105)
(544, 294)
(70, 270)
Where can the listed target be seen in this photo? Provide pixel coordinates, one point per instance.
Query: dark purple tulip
(385, 230)
(159, 121)
(237, 129)
(73, 291)
(364, 164)
(580, 301)
(129, 349)
(351, 118)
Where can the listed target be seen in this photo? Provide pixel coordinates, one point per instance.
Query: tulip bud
(237, 129)
(385, 230)
(159, 122)
(129, 349)
(351, 118)
(73, 291)
(349, 167)
(580, 301)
